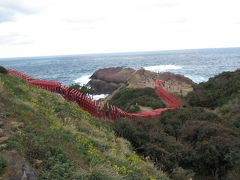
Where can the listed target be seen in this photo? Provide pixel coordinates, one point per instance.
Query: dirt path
(145, 109)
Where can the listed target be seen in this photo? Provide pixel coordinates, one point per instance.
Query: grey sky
(9, 9)
(39, 27)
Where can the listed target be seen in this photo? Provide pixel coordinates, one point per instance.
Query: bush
(130, 99)
(182, 174)
(3, 70)
(213, 148)
(230, 112)
(133, 109)
(216, 91)
(135, 132)
(189, 138)
(3, 164)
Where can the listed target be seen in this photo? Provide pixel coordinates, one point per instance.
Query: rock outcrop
(105, 81)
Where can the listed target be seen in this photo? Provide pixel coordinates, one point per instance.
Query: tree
(84, 89)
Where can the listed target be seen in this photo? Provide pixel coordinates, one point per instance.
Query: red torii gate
(48, 85)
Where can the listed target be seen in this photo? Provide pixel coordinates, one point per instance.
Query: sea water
(198, 65)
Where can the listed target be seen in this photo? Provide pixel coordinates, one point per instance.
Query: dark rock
(114, 74)
(17, 167)
(105, 81)
(3, 70)
(103, 87)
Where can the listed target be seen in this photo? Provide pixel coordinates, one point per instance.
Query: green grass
(130, 99)
(67, 140)
(3, 164)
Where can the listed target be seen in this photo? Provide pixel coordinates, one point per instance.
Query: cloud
(167, 4)
(14, 39)
(237, 23)
(175, 21)
(78, 26)
(8, 38)
(87, 20)
(9, 10)
(24, 42)
(5, 16)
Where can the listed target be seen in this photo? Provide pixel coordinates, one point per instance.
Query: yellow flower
(134, 159)
(120, 170)
(152, 178)
(56, 125)
(92, 151)
(81, 139)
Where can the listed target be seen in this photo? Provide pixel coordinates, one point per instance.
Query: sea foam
(100, 96)
(162, 68)
(83, 80)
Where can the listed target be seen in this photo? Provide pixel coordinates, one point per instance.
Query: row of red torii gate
(98, 109)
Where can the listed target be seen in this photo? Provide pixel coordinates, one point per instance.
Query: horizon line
(120, 52)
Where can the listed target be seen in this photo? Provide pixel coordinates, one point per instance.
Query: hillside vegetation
(216, 91)
(130, 100)
(55, 139)
(201, 141)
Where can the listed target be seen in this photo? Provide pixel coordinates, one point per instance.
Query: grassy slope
(68, 142)
(130, 99)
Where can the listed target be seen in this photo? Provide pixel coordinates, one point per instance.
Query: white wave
(196, 78)
(83, 80)
(100, 96)
(162, 68)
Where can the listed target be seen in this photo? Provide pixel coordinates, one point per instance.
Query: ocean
(198, 65)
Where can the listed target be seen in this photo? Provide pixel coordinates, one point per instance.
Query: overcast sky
(56, 27)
